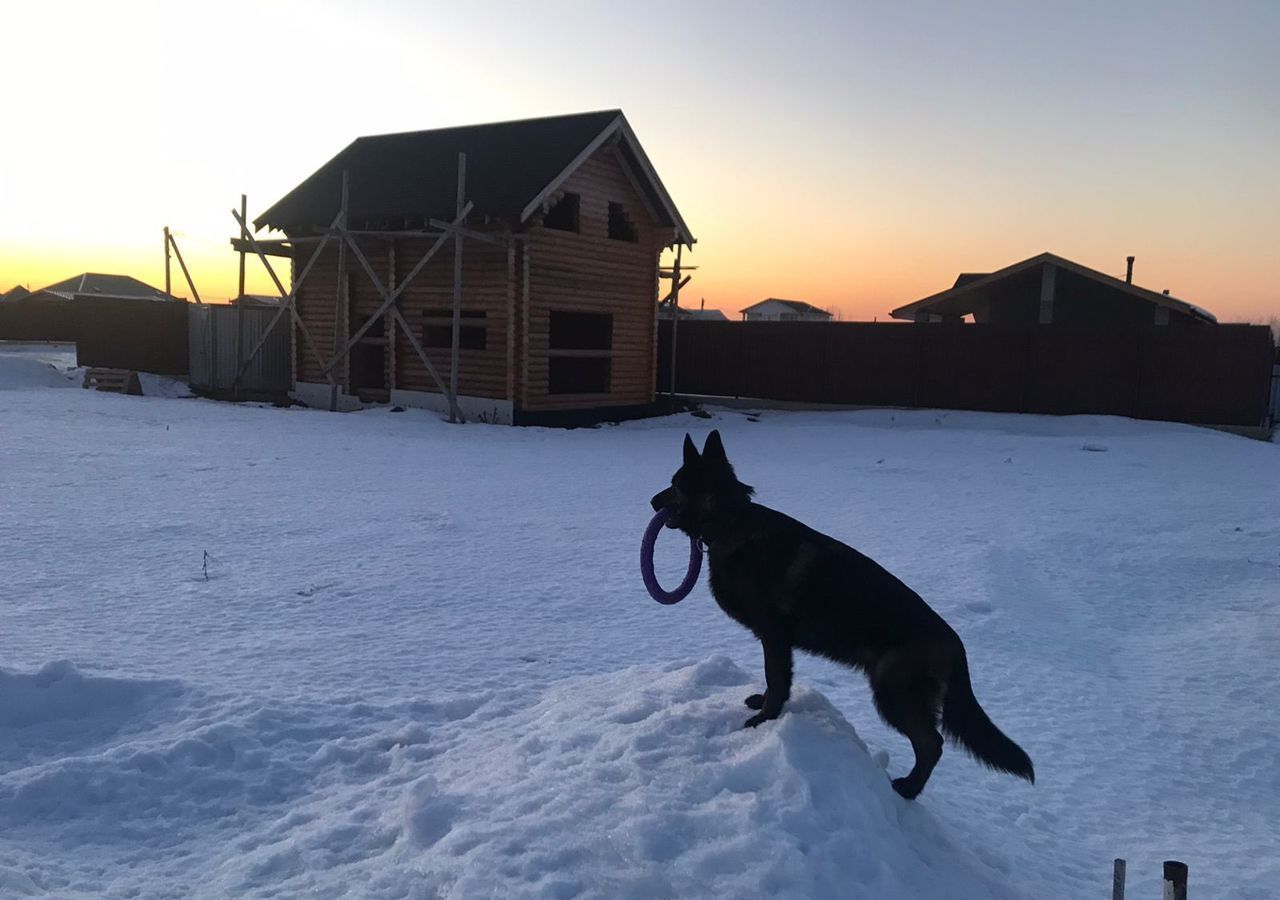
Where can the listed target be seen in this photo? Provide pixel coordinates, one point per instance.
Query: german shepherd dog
(794, 587)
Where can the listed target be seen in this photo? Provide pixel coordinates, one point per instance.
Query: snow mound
(639, 784)
(57, 711)
(163, 386)
(19, 373)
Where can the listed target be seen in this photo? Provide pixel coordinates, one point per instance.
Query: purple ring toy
(646, 563)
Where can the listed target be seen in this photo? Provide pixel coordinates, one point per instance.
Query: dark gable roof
(958, 299)
(512, 167)
(16, 293)
(104, 285)
(798, 305)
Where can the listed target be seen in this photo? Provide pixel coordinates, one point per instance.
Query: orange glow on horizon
(854, 160)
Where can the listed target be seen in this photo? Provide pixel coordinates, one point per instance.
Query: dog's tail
(966, 721)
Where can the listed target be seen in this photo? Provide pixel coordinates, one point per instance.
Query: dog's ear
(690, 451)
(713, 449)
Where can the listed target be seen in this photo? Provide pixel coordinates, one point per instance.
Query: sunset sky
(857, 156)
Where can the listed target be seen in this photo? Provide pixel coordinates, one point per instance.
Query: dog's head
(702, 489)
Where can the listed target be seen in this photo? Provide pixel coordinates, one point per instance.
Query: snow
(28, 366)
(423, 663)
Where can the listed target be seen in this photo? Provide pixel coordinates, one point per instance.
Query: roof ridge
(524, 121)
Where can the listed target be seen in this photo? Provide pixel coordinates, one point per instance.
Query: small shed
(773, 309)
(1048, 289)
(542, 306)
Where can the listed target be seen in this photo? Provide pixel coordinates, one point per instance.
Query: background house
(558, 289)
(95, 284)
(694, 315)
(775, 310)
(50, 314)
(1048, 289)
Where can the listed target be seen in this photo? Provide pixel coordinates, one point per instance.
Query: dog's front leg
(777, 679)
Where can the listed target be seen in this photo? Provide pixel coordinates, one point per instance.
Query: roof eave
(618, 126)
(909, 310)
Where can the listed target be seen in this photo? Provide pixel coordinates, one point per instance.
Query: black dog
(795, 587)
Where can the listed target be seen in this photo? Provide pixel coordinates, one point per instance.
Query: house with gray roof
(774, 309)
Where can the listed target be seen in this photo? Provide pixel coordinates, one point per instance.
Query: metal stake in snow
(646, 563)
(1175, 880)
(1117, 880)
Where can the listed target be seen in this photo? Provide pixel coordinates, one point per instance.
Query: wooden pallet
(117, 381)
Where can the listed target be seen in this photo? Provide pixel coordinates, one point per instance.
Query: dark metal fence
(37, 320)
(141, 335)
(1219, 375)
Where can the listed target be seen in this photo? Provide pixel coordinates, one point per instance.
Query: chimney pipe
(1128, 275)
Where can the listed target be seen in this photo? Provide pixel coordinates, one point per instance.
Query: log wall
(589, 272)
(485, 278)
(517, 285)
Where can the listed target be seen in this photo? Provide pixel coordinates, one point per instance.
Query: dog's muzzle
(668, 499)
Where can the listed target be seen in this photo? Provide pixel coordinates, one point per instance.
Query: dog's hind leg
(908, 698)
(777, 676)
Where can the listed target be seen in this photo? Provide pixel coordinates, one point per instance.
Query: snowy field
(255, 652)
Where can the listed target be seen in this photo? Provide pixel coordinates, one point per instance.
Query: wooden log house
(555, 270)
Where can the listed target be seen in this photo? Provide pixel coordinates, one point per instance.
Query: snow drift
(338, 703)
(22, 373)
(638, 784)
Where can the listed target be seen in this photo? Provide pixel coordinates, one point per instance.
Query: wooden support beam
(168, 281)
(288, 296)
(339, 301)
(524, 330)
(468, 232)
(674, 290)
(270, 248)
(389, 306)
(244, 215)
(457, 282)
(676, 284)
(422, 355)
(388, 297)
(284, 308)
(392, 344)
(240, 366)
(178, 253)
(511, 321)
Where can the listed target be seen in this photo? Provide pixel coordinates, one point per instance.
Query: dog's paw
(756, 720)
(755, 701)
(905, 788)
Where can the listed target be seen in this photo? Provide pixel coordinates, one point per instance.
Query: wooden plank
(340, 300)
(536, 203)
(392, 344)
(457, 283)
(511, 321)
(422, 354)
(467, 232)
(524, 333)
(279, 247)
(288, 296)
(181, 262)
(388, 299)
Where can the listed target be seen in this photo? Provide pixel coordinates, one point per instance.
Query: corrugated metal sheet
(222, 336)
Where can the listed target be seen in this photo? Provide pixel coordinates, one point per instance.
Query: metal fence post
(1175, 880)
